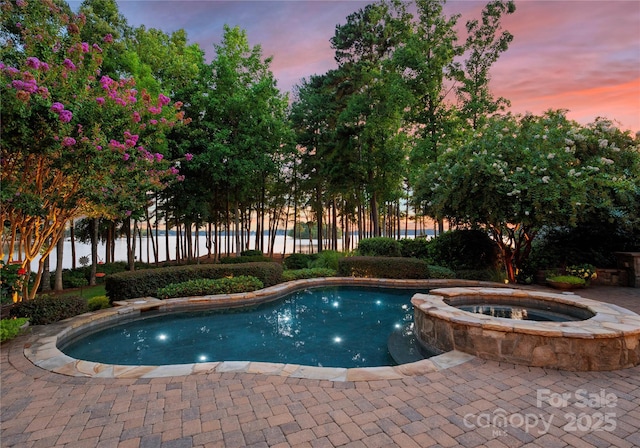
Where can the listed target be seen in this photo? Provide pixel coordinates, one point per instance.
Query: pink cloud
(578, 55)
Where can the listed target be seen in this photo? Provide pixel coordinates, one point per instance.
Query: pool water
(329, 327)
(518, 313)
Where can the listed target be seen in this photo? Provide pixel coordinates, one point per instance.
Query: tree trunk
(59, 259)
(72, 235)
(46, 274)
(93, 230)
(130, 248)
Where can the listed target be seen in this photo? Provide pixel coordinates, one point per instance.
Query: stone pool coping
(42, 348)
(609, 340)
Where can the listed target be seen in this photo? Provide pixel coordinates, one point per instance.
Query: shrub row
(391, 267)
(245, 259)
(48, 309)
(457, 249)
(299, 261)
(208, 286)
(129, 285)
(298, 274)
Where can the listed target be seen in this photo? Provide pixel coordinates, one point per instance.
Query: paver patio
(478, 403)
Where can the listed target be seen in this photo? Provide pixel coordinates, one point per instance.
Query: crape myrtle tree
(160, 63)
(74, 142)
(516, 175)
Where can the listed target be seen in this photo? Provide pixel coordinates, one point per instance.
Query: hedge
(48, 309)
(383, 267)
(298, 274)
(210, 286)
(379, 247)
(144, 283)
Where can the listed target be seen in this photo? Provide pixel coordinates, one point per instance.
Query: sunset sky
(579, 55)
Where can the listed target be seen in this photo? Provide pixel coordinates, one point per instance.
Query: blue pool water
(330, 327)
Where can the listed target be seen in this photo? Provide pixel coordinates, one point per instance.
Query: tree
(430, 67)
(373, 99)
(73, 144)
(483, 47)
(238, 134)
(517, 175)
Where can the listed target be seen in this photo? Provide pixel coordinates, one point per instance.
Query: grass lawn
(87, 292)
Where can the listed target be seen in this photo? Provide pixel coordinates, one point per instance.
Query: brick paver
(476, 404)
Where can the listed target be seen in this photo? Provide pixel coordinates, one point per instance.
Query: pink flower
(164, 100)
(65, 116)
(174, 170)
(106, 82)
(108, 38)
(44, 66)
(188, 156)
(85, 47)
(68, 141)
(136, 117)
(57, 107)
(155, 110)
(28, 86)
(21, 3)
(159, 156)
(97, 48)
(125, 157)
(100, 100)
(128, 213)
(153, 121)
(68, 63)
(33, 62)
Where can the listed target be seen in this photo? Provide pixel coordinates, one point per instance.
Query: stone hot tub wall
(609, 340)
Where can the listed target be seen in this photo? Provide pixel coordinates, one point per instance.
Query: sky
(579, 55)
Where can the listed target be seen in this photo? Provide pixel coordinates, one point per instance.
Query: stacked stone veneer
(609, 340)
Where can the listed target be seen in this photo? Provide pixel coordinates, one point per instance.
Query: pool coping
(42, 349)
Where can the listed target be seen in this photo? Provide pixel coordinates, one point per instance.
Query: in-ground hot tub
(591, 336)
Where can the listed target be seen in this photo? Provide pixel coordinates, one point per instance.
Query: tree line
(133, 129)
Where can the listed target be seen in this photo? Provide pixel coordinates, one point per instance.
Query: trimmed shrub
(251, 253)
(383, 267)
(129, 285)
(327, 259)
(464, 249)
(208, 286)
(440, 272)
(414, 248)
(299, 261)
(297, 274)
(245, 259)
(379, 247)
(98, 303)
(9, 328)
(486, 275)
(48, 309)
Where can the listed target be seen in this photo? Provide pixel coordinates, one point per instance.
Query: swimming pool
(328, 327)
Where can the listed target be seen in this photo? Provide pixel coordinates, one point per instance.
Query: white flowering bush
(520, 173)
(586, 271)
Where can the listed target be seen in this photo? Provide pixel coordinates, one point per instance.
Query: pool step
(404, 347)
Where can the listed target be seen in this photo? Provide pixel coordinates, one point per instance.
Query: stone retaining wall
(609, 340)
